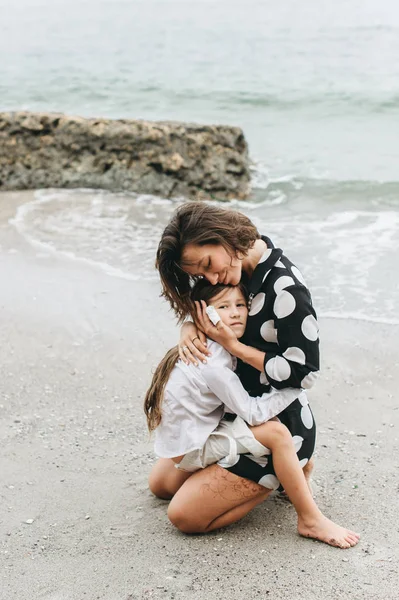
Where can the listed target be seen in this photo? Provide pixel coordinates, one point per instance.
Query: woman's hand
(192, 344)
(219, 333)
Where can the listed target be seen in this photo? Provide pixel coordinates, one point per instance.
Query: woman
(280, 349)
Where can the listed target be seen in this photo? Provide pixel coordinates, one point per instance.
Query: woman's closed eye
(206, 268)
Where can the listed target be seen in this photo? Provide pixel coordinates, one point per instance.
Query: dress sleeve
(297, 361)
(225, 384)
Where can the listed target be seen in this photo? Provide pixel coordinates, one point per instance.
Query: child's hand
(219, 333)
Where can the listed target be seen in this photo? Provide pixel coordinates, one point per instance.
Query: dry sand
(76, 518)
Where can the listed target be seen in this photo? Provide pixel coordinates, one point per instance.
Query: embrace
(228, 405)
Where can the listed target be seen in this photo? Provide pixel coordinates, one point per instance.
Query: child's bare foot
(329, 532)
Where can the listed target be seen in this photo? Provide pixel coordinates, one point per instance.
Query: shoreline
(17, 207)
(77, 348)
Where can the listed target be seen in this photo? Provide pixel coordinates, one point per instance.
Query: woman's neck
(252, 258)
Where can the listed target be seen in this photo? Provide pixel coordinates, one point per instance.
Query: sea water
(315, 87)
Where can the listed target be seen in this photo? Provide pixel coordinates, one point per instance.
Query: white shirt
(196, 398)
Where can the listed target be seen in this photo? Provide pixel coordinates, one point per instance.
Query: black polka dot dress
(282, 323)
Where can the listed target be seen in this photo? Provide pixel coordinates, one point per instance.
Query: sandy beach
(77, 519)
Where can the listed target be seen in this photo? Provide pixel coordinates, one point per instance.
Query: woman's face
(213, 262)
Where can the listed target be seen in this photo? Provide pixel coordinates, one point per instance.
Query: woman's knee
(157, 486)
(162, 479)
(178, 516)
(165, 480)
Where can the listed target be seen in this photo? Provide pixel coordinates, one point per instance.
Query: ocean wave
(90, 227)
(357, 316)
(118, 233)
(377, 193)
(330, 101)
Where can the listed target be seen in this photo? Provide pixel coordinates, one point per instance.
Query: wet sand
(76, 517)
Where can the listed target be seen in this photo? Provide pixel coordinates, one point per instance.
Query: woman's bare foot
(328, 532)
(307, 471)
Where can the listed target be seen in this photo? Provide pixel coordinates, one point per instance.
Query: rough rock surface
(40, 150)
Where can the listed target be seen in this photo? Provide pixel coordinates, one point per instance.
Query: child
(185, 406)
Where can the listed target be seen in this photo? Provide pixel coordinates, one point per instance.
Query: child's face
(232, 309)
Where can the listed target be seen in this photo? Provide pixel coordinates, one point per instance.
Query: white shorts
(224, 445)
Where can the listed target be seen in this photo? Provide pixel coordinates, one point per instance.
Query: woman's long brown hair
(203, 290)
(198, 223)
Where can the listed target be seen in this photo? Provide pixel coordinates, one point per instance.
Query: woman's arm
(251, 356)
(296, 361)
(192, 344)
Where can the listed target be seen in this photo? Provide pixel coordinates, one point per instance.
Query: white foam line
(357, 317)
(281, 198)
(18, 221)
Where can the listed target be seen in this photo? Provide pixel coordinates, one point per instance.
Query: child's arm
(225, 384)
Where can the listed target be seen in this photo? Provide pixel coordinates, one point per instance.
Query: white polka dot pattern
(282, 325)
(278, 368)
(303, 399)
(306, 417)
(310, 328)
(298, 441)
(295, 355)
(270, 482)
(265, 255)
(309, 381)
(257, 304)
(284, 305)
(269, 332)
(282, 283)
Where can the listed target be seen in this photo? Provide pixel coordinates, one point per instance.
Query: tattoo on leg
(228, 486)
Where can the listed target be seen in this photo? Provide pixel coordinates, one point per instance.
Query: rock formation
(41, 150)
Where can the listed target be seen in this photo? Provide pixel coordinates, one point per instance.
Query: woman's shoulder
(283, 274)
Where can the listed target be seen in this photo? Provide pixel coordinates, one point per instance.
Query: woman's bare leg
(164, 479)
(311, 521)
(213, 498)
